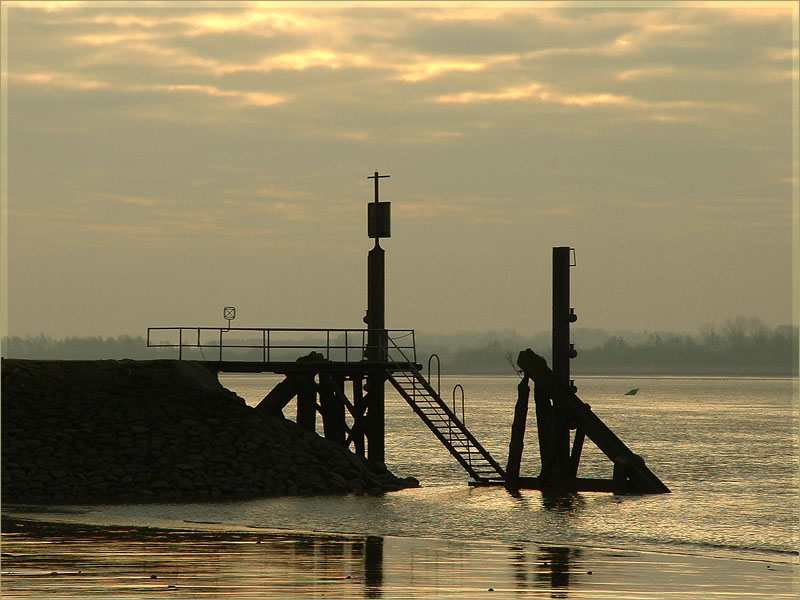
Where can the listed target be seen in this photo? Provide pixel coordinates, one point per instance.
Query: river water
(726, 447)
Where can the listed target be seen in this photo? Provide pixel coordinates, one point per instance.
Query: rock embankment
(156, 431)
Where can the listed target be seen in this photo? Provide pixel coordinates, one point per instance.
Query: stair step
(419, 393)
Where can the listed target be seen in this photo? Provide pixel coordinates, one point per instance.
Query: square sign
(378, 219)
(229, 312)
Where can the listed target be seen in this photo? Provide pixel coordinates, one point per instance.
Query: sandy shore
(61, 560)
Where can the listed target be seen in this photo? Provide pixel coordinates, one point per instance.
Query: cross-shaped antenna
(377, 177)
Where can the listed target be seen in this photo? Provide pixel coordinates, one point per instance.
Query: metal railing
(349, 345)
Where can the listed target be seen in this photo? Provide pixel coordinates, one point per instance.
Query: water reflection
(562, 502)
(70, 561)
(550, 569)
(138, 562)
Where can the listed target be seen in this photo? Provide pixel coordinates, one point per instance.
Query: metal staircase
(442, 420)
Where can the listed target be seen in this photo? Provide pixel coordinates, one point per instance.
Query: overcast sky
(166, 160)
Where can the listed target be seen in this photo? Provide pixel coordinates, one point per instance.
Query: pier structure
(341, 374)
(363, 361)
(559, 411)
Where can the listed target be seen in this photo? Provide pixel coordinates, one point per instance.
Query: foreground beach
(68, 560)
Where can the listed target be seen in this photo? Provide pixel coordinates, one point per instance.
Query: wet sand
(65, 560)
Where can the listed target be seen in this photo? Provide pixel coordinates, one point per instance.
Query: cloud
(145, 202)
(241, 97)
(67, 81)
(542, 93)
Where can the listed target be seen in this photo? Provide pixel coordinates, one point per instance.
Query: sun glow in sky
(164, 160)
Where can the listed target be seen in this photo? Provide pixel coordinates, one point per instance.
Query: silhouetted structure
(559, 410)
(365, 358)
(369, 358)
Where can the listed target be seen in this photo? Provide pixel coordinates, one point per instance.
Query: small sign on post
(229, 313)
(378, 213)
(378, 219)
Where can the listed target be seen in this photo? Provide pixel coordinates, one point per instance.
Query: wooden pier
(320, 367)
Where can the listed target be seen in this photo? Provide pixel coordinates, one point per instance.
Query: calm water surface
(727, 448)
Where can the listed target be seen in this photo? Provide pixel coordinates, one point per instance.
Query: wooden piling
(306, 402)
(517, 443)
(359, 408)
(332, 406)
(630, 472)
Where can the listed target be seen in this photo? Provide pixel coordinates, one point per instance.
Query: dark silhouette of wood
(359, 407)
(575, 456)
(332, 407)
(559, 462)
(545, 423)
(306, 402)
(277, 399)
(517, 443)
(374, 419)
(630, 472)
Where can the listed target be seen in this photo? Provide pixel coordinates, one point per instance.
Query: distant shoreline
(633, 372)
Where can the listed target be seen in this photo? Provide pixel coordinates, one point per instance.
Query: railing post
(180, 343)
(220, 344)
(268, 344)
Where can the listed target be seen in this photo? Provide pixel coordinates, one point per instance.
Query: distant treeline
(740, 346)
(81, 348)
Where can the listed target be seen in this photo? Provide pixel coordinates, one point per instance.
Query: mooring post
(378, 226)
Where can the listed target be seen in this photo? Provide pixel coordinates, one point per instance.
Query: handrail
(458, 386)
(346, 342)
(438, 372)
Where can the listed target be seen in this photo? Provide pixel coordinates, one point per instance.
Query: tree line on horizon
(740, 346)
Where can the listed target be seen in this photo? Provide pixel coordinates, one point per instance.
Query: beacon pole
(563, 352)
(378, 226)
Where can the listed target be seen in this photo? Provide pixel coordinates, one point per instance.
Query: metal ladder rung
(451, 431)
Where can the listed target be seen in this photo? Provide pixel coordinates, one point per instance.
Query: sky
(164, 160)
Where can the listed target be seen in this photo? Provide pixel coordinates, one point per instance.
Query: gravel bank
(156, 431)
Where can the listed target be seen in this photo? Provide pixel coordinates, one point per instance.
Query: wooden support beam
(557, 462)
(575, 456)
(517, 443)
(360, 428)
(274, 402)
(630, 466)
(359, 407)
(306, 402)
(374, 419)
(332, 409)
(545, 426)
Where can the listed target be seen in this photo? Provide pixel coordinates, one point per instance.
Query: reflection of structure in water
(551, 569)
(220, 564)
(563, 503)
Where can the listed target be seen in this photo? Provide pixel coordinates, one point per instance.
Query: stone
(155, 431)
